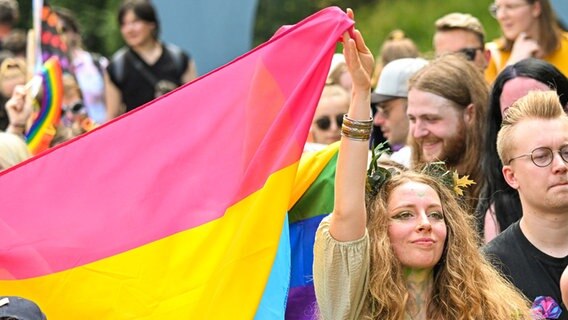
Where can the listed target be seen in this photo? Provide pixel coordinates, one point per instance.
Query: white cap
(393, 82)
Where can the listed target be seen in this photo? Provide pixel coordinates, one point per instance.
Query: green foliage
(97, 19)
(416, 18)
(376, 18)
(377, 175)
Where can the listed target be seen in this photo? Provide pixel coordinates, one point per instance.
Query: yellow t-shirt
(499, 58)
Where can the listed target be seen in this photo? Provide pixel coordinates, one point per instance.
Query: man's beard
(453, 149)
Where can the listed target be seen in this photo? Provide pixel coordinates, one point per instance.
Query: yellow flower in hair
(461, 183)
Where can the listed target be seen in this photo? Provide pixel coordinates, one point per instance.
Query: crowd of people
(491, 114)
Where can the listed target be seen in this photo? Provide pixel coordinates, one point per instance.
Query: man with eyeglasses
(390, 96)
(533, 252)
(461, 33)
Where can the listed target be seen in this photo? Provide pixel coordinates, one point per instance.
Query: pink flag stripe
(141, 177)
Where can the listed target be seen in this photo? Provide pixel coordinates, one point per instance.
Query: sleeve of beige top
(341, 271)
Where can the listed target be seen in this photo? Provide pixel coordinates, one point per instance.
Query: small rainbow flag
(42, 129)
(177, 209)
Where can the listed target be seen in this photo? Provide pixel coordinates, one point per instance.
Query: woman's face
(136, 31)
(417, 229)
(516, 16)
(517, 88)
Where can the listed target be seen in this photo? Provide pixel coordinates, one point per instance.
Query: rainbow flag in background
(177, 209)
(43, 127)
(312, 200)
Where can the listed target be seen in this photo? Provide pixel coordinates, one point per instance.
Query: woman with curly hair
(414, 254)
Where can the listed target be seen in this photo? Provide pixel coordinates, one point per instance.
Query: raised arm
(19, 110)
(348, 220)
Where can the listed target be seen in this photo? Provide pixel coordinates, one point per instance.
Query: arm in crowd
(348, 220)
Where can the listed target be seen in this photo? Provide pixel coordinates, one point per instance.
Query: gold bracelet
(355, 133)
(359, 130)
(360, 124)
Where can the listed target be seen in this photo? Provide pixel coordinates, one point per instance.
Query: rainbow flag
(312, 200)
(42, 129)
(177, 209)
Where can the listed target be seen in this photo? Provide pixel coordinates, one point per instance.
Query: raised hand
(18, 110)
(524, 47)
(359, 59)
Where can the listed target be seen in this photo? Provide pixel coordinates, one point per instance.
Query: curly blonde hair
(465, 286)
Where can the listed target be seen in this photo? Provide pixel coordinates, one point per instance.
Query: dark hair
(143, 9)
(69, 21)
(506, 199)
(9, 12)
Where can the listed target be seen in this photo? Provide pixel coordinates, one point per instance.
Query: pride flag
(176, 209)
(43, 127)
(311, 201)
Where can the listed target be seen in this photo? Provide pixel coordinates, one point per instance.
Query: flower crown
(377, 175)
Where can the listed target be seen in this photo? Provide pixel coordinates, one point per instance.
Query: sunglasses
(324, 122)
(469, 53)
(75, 108)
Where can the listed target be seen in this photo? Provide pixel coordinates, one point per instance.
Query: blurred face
(135, 31)
(456, 40)
(542, 189)
(326, 126)
(516, 16)
(437, 126)
(392, 119)
(417, 230)
(517, 88)
(9, 82)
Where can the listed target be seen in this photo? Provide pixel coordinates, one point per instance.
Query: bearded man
(447, 104)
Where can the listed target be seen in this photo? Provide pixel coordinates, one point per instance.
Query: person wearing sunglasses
(529, 29)
(533, 252)
(461, 33)
(390, 95)
(328, 118)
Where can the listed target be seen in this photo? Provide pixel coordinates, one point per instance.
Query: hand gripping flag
(175, 210)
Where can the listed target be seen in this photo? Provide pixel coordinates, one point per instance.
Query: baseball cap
(20, 308)
(393, 82)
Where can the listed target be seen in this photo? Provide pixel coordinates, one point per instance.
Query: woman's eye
(436, 215)
(405, 215)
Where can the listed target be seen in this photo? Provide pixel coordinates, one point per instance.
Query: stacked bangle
(359, 130)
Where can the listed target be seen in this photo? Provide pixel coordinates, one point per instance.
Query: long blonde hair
(466, 286)
(13, 150)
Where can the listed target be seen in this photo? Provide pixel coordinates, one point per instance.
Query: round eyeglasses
(542, 156)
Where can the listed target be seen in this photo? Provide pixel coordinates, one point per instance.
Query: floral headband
(377, 175)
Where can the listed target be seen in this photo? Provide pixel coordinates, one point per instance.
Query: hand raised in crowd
(524, 47)
(18, 110)
(359, 59)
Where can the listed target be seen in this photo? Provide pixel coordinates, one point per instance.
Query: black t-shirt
(136, 90)
(529, 269)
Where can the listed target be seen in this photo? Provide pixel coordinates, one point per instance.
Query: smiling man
(533, 252)
(391, 99)
(447, 104)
